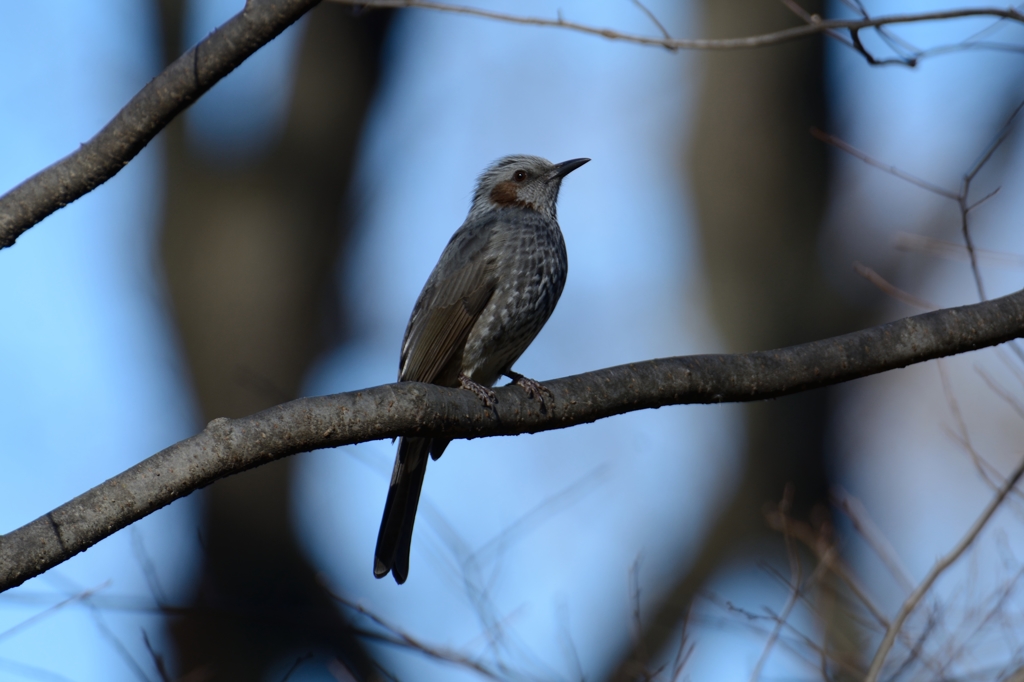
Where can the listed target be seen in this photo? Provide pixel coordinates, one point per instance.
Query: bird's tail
(395, 537)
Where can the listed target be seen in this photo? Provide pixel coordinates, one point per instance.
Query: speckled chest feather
(530, 267)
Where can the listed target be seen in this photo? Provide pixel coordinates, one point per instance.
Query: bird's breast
(531, 266)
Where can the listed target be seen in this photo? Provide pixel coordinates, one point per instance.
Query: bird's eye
(520, 175)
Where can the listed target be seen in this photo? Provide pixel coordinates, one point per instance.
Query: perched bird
(495, 286)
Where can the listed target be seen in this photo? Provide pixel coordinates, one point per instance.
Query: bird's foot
(533, 388)
(485, 394)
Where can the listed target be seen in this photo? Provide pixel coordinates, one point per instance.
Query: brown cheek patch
(505, 194)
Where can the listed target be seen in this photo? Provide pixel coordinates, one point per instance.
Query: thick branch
(167, 95)
(229, 446)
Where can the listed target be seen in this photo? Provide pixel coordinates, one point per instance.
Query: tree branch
(941, 565)
(816, 25)
(229, 446)
(196, 71)
(163, 98)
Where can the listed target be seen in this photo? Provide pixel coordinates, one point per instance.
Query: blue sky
(95, 382)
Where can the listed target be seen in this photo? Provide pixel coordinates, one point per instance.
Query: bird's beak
(562, 169)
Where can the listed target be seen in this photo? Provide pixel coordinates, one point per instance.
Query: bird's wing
(451, 301)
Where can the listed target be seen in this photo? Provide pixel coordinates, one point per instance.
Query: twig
(915, 649)
(158, 660)
(941, 565)
(1002, 595)
(906, 241)
(862, 523)
(1004, 394)
(961, 197)
(403, 639)
(825, 554)
(890, 169)
(965, 189)
(753, 621)
(891, 289)
(32, 620)
(795, 578)
(773, 38)
(685, 649)
(650, 15)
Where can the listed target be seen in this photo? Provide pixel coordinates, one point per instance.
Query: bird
(492, 290)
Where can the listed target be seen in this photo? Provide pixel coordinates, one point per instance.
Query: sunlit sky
(93, 380)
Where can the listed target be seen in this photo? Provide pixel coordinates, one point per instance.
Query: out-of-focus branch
(815, 25)
(196, 71)
(941, 565)
(229, 446)
(163, 98)
(961, 197)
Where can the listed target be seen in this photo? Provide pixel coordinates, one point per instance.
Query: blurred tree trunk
(250, 250)
(760, 183)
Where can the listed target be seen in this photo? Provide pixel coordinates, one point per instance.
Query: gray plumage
(494, 287)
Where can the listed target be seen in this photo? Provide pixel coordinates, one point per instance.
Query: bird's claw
(485, 394)
(534, 389)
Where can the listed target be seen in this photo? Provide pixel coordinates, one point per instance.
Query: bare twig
(754, 621)
(650, 15)
(1004, 394)
(195, 72)
(398, 637)
(862, 523)
(795, 579)
(891, 289)
(774, 38)
(907, 241)
(29, 622)
(988, 473)
(961, 197)
(940, 566)
(890, 169)
(965, 189)
(825, 554)
(158, 660)
(684, 651)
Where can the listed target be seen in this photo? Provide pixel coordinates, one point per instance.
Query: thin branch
(774, 38)
(196, 71)
(961, 197)
(158, 660)
(890, 169)
(32, 620)
(230, 446)
(650, 15)
(149, 112)
(825, 553)
(794, 583)
(862, 523)
(965, 189)
(940, 566)
(814, 19)
(394, 635)
(891, 289)
(907, 241)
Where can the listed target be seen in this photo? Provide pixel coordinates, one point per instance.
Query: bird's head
(520, 180)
